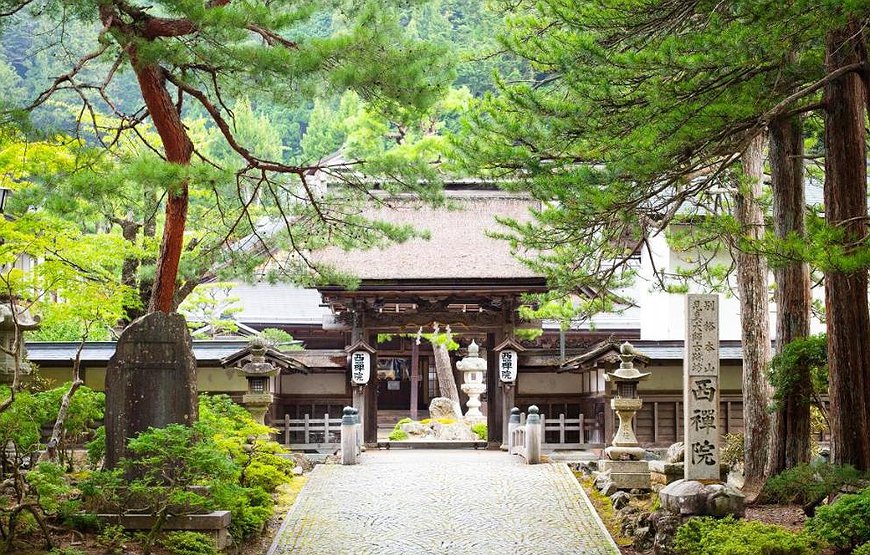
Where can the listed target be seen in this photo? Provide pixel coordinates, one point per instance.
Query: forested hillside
(312, 125)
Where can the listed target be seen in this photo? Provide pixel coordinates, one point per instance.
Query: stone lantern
(8, 321)
(474, 369)
(626, 466)
(258, 372)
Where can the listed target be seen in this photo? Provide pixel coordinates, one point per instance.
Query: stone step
(431, 444)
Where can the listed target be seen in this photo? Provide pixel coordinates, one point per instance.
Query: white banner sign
(360, 367)
(508, 363)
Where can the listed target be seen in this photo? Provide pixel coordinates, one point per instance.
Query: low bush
(398, 435)
(188, 543)
(809, 484)
(862, 550)
(480, 430)
(844, 524)
(113, 539)
(729, 536)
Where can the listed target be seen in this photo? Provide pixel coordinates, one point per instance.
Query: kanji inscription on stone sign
(701, 388)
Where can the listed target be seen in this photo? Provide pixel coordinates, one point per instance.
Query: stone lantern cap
(22, 316)
(472, 361)
(258, 367)
(626, 371)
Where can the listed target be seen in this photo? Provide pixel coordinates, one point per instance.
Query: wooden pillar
(370, 422)
(495, 410)
(415, 377)
(508, 392)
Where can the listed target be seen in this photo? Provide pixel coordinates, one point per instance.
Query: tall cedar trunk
(178, 149)
(444, 371)
(790, 423)
(755, 327)
(846, 308)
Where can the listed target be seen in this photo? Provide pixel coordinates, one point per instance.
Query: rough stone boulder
(693, 498)
(442, 407)
(676, 453)
(458, 431)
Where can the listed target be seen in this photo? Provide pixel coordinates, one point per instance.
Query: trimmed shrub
(808, 484)
(188, 543)
(845, 524)
(480, 430)
(729, 536)
(398, 435)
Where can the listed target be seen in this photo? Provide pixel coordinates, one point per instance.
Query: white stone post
(349, 442)
(513, 424)
(534, 435)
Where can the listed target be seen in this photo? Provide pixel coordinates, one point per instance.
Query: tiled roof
(280, 303)
(47, 353)
(458, 247)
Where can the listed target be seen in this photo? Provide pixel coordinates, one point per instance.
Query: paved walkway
(426, 502)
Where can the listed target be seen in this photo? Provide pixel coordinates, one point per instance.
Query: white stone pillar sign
(701, 388)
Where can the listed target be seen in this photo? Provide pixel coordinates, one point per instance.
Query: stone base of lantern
(663, 473)
(627, 475)
(258, 405)
(694, 498)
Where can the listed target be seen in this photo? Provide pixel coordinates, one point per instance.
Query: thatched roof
(458, 247)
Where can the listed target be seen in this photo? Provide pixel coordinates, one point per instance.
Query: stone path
(442, 502)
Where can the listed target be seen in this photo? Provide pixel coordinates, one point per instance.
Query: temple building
(461, 277)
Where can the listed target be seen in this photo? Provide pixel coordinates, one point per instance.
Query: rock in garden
(620, 499)
(458, 431)
(676, 453)
(442, 407)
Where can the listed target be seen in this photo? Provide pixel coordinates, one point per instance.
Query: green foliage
(807, 484)
(209, 310)
(732, 449)
(113, 539)
(398, 435)
(51, 488)
(844, 524)
(863, 549)
(96, 447)
(188, 543)
(810, 353)
(238, 435)
(66, 551)
(282, 340)
(727, 536)
(251, 508)
(480, 430)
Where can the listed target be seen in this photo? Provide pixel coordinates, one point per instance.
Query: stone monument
(625, 458)
(9, 320)
(258, 372)
(473, 368)
(150, 381)
(701, 492)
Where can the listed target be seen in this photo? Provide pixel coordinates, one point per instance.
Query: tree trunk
(790, 423)
(446, 381)
(755, 314)
(178, 149)
(444, 368)
(846, 307)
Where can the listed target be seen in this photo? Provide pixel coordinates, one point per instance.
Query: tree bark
(846, 308)
(755, 314)
(444, 371)
(179, 150)
(790, 423)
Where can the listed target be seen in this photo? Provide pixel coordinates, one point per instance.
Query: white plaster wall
(314, 384)
(549, 382)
